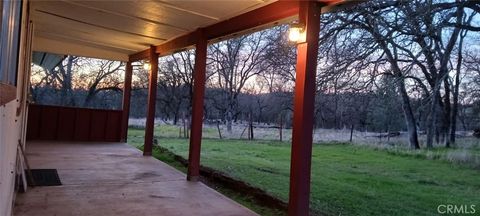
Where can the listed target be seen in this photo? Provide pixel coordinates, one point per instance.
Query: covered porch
(115, 179)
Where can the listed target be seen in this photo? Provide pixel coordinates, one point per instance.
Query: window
(10, 21)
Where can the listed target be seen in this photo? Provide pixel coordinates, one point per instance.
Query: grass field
(346, 179)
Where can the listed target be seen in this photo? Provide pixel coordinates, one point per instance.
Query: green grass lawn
(346, 179)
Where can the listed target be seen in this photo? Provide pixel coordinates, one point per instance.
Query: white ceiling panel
(151, 11)
(64, 47)
(217, 9)
(126, 27)
(87, 32)
(108, 20)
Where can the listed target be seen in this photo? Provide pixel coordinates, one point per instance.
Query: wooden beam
(139, 56)
(152, 97)
(127, 91)
(262, 16)
(339, 5)
(177, 44)
(303, 111)
(197, 107)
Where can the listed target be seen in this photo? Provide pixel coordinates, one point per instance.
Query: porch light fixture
(147, 66)
(296, 33)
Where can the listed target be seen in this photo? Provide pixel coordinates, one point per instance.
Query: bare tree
(63, 74)
(175, 84)
(279, 61)
(78, 80)
(234, 63)
(103, 75)
(415, 40)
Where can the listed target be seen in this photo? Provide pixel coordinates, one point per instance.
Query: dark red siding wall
(73, 124)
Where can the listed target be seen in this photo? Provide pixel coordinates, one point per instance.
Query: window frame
(10, 38)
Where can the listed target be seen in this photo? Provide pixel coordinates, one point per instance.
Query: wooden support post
(127, 92)
(301, 154)
(197, 107)
(152, 96)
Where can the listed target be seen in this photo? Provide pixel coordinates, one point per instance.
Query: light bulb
(146, 66)
(296, 34)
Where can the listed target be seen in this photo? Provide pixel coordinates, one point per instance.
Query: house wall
(9, 135)
(12, 121)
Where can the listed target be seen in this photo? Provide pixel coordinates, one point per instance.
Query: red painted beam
(259, 17)
(268, 14)
(262, 16)
(139, 56)
(301, 154)
(127, 92)
(197, 107)
(152, 96)
(178, 44)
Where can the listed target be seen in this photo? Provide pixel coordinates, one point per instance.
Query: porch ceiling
(116, 29)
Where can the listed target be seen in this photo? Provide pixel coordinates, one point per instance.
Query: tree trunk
(229, 120)
(446, 114)
(67, 94)
(219, 131)
(184, 126)
(453, 115)
(90, 95)
(175, 118)
(431, 127)
(456, 86)
(351, 133)
(409, 116)
(189, 125)
(388, 132)
(441, 76)
(250, 125)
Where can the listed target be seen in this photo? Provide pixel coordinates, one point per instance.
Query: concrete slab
(115, 179)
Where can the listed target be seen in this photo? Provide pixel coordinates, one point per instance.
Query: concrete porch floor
(115, 179)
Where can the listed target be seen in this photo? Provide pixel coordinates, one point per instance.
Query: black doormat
(43, 177)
